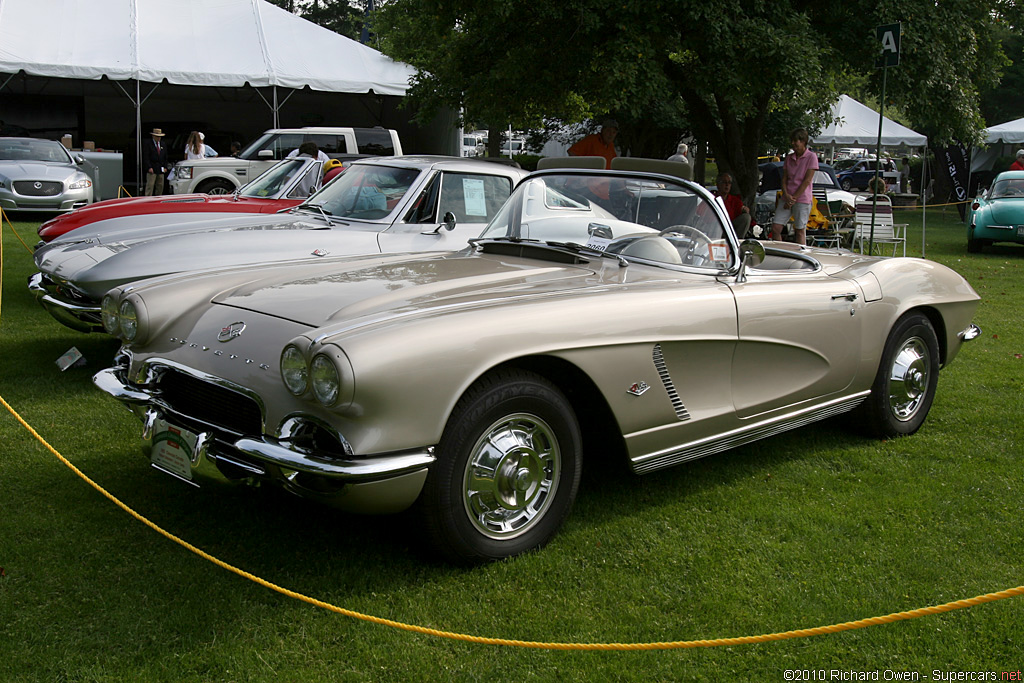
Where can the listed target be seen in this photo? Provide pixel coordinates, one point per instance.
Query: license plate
(173, 448)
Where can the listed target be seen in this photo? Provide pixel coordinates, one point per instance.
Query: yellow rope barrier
(450, 635)
(11, 225)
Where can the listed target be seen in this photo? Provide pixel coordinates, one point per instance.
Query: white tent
(857, 124)
(1002, 141)
(189, 42)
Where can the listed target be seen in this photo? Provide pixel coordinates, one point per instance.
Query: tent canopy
(227, 43)
(1009, 133)
(857, 124)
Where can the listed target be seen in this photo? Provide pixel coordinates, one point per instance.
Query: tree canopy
(734, 73)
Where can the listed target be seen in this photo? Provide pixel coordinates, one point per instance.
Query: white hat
(202, 137)
(1020, 153)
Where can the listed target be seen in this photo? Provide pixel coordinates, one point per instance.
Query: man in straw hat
(154, 161)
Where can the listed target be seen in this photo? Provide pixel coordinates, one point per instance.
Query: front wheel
(216, 186)
(507, 470)
(847, 185)
(904, 386)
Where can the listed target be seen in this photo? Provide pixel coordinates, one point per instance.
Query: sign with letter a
(889, 38)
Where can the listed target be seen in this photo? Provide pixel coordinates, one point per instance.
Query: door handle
(849, 296)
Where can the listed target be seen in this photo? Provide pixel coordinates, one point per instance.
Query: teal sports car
(997, 215)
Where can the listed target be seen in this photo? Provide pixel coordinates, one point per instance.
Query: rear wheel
(847, 185)
(507, 470)
(216, 186)
(974, 245)
(904, 386)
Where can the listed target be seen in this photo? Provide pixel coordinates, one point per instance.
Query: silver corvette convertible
(388, 204)
(598, 311)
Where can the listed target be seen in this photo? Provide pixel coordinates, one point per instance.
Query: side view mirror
(448, 224)
(79, 159)
(265, 154)
(751, 256)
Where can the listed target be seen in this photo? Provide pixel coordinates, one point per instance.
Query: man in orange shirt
(600, 144)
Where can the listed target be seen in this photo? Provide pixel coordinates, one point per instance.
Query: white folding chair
(885, 230)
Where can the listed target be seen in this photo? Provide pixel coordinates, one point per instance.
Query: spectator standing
(739, 214)
(1018, 164)
(154, 161)
(905, 176)
(600, 144)
(797, 176)
(236, 148)
(196, 147)
(309, 149)
(681, 151)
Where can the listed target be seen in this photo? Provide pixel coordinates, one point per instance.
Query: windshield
(1009, 187)
(366, 191)
(650, 220)
(276, 179)
(33, 150)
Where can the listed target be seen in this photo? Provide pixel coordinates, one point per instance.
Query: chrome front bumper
(78, 316)
(375, 484)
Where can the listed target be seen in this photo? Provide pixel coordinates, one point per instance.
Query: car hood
(136, 229)
(30, 170)
(93, 268)
(357, 292)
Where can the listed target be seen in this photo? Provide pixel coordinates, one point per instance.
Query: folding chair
(886, 231)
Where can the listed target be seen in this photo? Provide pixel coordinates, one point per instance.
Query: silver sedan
(41, 175)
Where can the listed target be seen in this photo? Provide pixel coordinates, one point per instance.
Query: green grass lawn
(810, 528)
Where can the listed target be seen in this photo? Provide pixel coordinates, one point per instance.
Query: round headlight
(108, 311)
(129, 322)
(323, 375)
(294, 371)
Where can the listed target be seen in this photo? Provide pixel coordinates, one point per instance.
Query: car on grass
(225, 174)
(284, 185)
(41, 176)
(997, 214)
(380, 205)
(600, 314)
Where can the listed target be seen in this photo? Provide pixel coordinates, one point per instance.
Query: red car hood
(184, 203)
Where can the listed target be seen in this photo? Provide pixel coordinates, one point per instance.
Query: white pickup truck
(224, 175)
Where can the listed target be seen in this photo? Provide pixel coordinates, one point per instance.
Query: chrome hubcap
(908, 379)
(511, 476)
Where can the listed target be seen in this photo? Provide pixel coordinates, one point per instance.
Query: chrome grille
(677, 403)
(47, 188)
(210, 403)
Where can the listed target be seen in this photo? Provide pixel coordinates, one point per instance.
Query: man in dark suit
(154, 161)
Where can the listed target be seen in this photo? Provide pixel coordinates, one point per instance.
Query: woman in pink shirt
(797, 176)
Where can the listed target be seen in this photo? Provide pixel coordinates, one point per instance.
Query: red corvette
(282, 186)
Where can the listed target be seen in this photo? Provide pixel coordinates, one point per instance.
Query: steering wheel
(695, 236)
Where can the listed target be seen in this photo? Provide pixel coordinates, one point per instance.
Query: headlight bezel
(324, 379)
(110, 307)
(128, 320)
(298, 358)
(80, 184)
(183, 172)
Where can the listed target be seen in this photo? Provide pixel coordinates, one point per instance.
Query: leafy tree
(735, 72)
(340, 16)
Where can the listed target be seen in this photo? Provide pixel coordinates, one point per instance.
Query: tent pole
(138, 139)
(277, 109)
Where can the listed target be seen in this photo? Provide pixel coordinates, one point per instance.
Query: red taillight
(975, 206)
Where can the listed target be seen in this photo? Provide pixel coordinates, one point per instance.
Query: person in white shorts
(797, 176)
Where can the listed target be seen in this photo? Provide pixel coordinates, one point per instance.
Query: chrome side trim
(368, 469)
(722, 442)
(677, 403)
(971, 332)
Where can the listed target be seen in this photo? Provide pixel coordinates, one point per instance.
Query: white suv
(224, 175)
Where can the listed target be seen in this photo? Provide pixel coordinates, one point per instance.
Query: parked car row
(461, 338)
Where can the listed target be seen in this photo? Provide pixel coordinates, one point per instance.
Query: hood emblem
(638, 389)
(231, 331)
(38, 185)
(320, 252)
